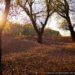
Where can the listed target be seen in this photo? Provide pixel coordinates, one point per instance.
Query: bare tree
(46, 12)
(4, 19)
(63, 9)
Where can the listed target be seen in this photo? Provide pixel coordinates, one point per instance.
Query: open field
(24, 56)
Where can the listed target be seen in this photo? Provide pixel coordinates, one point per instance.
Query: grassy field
(22, 55)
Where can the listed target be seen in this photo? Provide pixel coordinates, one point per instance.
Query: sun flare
(1, 19)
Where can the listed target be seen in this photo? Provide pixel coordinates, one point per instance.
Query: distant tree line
(26, 30)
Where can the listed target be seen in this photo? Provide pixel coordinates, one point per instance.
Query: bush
(51, 32)
(26, 30)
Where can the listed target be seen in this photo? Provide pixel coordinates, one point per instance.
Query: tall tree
(63, 9)
(2, 25)
(45, 13)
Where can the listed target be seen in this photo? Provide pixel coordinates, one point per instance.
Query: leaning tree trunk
(71, 29)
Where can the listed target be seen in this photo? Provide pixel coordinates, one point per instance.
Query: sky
(54, 21)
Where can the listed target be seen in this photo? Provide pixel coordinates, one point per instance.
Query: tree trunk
(71, 29)
(0, 53)
(39, 39)
(72, 34)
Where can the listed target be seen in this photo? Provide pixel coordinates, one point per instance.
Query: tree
(4, 19)
(64, 25)
(63, 9)
(45, 13)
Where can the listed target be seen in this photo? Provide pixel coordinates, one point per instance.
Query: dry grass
(24, 56)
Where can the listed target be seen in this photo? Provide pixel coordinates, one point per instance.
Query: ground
(24, 56)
